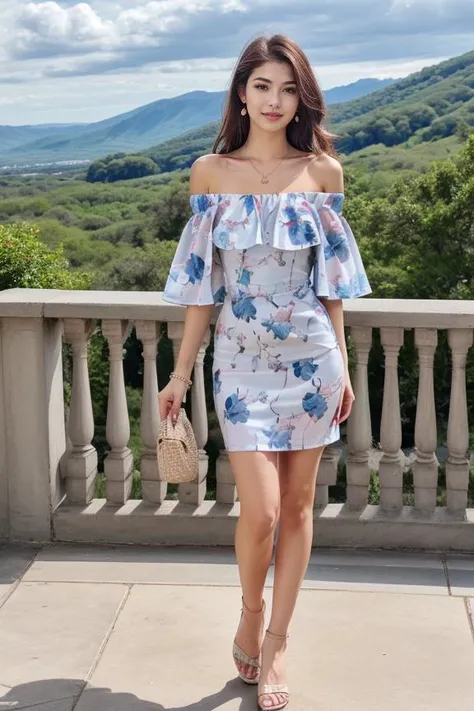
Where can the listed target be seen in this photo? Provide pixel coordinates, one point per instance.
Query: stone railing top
(148, 305)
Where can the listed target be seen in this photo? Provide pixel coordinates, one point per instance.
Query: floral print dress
(277, 371)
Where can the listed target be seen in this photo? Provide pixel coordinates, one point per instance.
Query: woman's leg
(258, 487)
(297, 473)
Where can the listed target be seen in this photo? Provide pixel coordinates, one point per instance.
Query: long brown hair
(306, 135)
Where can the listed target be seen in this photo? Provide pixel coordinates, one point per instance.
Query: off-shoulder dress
(277, 370)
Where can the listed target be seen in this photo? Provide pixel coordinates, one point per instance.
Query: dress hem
(297, 447)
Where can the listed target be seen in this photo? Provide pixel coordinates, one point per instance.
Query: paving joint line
(268, 586)
(444, 561)
(17, 582)
(77, 698)
(103, 644)
(470, 614)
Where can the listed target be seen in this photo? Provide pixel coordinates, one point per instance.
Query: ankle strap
(254, 612)
(277, 636)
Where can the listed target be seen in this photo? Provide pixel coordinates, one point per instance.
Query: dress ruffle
(196, 277)
(286, 221)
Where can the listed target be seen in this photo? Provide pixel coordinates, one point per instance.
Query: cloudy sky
(69, 61)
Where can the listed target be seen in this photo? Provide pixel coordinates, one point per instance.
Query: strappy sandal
(241, 659)
(266, 700)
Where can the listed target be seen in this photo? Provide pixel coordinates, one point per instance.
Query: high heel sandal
(265, 701)
(240, 658)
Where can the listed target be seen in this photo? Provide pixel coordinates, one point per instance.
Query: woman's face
(271, 97)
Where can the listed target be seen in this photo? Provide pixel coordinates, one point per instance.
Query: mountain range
(136, 129)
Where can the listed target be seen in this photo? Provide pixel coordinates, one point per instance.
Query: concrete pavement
(89, 628)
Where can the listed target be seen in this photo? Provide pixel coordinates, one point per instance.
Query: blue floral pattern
(315, 404)
(236, 409)
(194, 268)
(244, 308)
(268, 259)
(279, 438)
(305, 369)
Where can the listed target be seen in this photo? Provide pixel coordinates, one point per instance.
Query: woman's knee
(261, 521)
(258, 487)
(298, 481)
(296, 509)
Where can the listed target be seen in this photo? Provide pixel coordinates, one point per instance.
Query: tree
(171, 211)
(26, 262)
(120, 167)
(144, 270)
(463, 130)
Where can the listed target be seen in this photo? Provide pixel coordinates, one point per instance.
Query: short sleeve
(196, 276)
(338, 271)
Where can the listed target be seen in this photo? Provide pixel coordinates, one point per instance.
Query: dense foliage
(101, 227)
(25, 262)
(120, 166)
(414, 236)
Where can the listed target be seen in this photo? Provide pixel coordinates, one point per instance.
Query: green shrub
(94, 222)
(26, 262)
(61, 214)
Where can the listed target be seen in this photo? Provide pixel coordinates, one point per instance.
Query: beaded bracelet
(181, 377)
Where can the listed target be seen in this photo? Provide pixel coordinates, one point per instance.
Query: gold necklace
(264, 176)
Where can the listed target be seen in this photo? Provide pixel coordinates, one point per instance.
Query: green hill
(429, 105)
(182, 151)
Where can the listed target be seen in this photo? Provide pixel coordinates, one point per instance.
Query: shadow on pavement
(63, 695)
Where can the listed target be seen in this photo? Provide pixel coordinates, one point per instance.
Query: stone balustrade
(48, 464)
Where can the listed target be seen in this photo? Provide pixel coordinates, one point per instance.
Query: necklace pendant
(264, 180)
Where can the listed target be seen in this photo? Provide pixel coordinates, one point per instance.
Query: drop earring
(243, 112)
(297, 118)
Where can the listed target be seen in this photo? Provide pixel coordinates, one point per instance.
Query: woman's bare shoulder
(209, 159)
(327, 170)
(202, 172)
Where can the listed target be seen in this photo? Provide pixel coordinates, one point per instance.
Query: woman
(267, 241)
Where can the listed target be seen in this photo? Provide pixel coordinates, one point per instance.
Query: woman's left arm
(336, 314)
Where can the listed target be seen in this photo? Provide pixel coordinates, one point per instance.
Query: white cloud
(441, 7)
(46, 28)
(160, 30)
(157, 18)
(92, 59)
(49, 29)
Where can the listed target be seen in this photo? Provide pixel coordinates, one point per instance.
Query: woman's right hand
(170, 399)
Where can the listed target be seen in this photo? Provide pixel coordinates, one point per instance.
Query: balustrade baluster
(392, 460)
(81, 459)
(457, 466)
(118, 464)
(425, 466)
(359, 427)
(153, 490)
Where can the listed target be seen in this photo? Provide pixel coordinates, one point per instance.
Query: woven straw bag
(177, 452)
